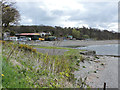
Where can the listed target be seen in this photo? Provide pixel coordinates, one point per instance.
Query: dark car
(50, 38)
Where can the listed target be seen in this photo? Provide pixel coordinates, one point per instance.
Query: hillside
(78, 33)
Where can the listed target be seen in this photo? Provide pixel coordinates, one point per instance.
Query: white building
(42, 34)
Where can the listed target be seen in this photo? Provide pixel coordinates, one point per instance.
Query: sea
(109, 49)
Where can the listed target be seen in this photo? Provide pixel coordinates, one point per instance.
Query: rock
(88, 52)
(96, 61)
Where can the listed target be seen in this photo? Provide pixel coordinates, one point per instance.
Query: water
(110, 49)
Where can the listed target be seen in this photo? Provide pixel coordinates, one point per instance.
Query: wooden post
(104, 86)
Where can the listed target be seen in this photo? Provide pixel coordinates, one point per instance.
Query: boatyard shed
(33, 36)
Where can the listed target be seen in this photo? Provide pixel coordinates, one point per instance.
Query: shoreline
(102, 68)
(71, 43)
(74, 44)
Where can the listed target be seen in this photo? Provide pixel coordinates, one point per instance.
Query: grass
(12, 78)
(0, 64)
(70, 51)
(49, 47)
(71, 54)
(27, 68)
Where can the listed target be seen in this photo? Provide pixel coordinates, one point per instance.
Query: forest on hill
(78, 33)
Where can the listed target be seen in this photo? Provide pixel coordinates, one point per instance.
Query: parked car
(50, 38)
(23, 38)
(13, 38)
(41, 39)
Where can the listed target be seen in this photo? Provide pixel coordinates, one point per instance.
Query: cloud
(64, 0)
(70, 13)
(26, 21)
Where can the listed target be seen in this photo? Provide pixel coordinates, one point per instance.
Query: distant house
(70, 37)
(43, 34)
(6, 35)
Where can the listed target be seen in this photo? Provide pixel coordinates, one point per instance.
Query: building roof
(12, 36)
(29, 34)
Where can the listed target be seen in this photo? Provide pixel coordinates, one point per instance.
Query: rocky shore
(99, 70)
(96, 69)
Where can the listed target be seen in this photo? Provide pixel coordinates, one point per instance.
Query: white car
(13, 38)
(23, 38)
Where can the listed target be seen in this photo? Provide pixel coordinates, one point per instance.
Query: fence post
(104, 86)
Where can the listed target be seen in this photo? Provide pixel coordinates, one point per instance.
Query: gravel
(98, 71)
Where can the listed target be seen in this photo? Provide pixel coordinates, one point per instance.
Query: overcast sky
(70, 13)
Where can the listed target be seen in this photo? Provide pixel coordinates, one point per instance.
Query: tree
(86, 36)
(10, 14)
(12, 33)
(76, 33)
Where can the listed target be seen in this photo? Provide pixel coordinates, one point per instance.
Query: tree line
(78, 33)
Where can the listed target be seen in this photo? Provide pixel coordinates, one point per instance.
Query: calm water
(110, 49)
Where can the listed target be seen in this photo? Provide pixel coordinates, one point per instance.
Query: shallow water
(110, 49)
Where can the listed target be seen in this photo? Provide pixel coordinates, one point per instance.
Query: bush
(27, 48)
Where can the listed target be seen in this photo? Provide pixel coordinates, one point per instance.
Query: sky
(101, 14)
